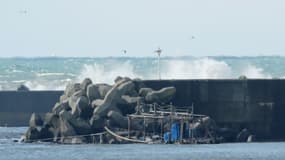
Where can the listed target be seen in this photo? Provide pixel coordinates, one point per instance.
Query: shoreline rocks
(86, 108)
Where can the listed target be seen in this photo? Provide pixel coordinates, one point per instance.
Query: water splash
(106, 73)
(251, 71)
(196, 69)
(55, 76)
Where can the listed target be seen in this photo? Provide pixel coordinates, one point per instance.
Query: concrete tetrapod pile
(86, 108)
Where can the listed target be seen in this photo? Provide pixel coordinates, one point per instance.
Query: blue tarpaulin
(174, 132)
(166, 137)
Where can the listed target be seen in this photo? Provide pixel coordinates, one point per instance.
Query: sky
(93, 28)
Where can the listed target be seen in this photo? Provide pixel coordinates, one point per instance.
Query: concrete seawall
(258, 105)
(254, 104)
(17, 107)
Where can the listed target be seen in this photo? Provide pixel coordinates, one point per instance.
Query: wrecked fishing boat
(166, 124)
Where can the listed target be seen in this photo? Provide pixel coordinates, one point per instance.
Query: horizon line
(185, 56)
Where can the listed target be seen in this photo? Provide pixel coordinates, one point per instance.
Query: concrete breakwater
(257, 105)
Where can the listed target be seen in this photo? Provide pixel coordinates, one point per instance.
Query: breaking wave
(196, 69)
(204, 68)
(106, 73)
(106, 70)
(47, 85)
(252, 71)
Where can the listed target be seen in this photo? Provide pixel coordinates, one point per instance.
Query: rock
(96, 103)
(85, 83)
(59, 106)
(144, 91)
(97, 123)
(132, 100)
(51, 120)
(138, 84)
(46, 135)
(82, 108)
(73, 99)
(243, 135)
(113, 97)
(161, 96)
(35, 121)
(79, 125)
(127, 88)
(110, 123)
(93, 92)
(120, 79)
(71, 89)
(32, 135)
(39, 131)
(63, 98)
(128, 105)
(103, 89)
(97, 91)
(117, 79)
(118, 119)
(66, 129)
(22, 87)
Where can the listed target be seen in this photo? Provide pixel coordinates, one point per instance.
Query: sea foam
(56, 76)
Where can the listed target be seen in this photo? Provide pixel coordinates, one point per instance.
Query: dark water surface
(10, 150)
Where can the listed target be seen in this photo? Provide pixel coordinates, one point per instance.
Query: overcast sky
(104, 28)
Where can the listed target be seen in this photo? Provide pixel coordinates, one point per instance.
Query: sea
(54, 73)
(10, 150)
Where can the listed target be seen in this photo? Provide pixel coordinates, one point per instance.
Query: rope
(123, 138)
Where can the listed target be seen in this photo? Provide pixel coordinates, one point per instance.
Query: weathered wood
(123, 138)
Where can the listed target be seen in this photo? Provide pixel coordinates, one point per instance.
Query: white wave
(251, 71)
(196, 69)
(108, 72)
(17, 71)
(50, 74)
(46, 85)
(19, 81)
(200, 68)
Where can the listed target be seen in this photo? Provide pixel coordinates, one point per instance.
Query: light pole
(158, 51)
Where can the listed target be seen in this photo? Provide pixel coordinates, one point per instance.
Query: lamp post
(158, 51)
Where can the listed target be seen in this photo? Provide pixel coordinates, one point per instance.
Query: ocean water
(10, 150)
(54, 73)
